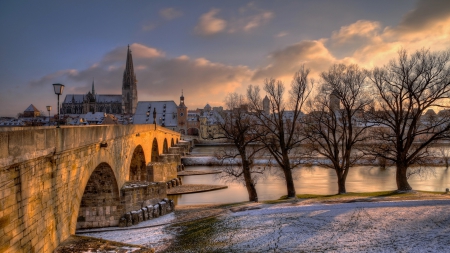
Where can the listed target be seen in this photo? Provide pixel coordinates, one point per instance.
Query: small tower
(129, 86)
(182, 115)
(335, 102)
(266, 105)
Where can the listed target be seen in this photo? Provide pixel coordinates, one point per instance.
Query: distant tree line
(348, 108)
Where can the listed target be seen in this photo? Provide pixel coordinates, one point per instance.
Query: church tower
(266, 105)
(129, 87)
(182, 115)
(335, 102)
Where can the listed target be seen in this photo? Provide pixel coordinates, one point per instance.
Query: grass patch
(380, 194)
(196, 236)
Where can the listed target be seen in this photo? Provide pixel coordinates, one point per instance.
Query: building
(111, 104)
(209, 120)
(182, 115)
(31, 112)
(165, 113)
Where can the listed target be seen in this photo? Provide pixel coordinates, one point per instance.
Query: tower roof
(31, 108)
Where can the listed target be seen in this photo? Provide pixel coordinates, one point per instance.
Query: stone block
(162, 208)
(150, 211)
(144, 213)
(156, 211)
(140, 215)
(129, 219)
(135, 217)
(172, 205)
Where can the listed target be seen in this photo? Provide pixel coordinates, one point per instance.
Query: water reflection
(313, 180)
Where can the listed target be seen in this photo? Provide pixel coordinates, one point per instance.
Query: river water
(307, 180)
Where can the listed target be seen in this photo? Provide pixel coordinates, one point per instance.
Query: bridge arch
(171, 142)
(155, 150)
(165, 147)
(100, 204)
(193, 131)
(138, 170)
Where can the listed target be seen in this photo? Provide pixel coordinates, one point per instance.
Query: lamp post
(154, 116)
(58, 91)
(49, 108)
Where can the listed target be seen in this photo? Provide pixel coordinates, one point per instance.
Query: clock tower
(182, 115)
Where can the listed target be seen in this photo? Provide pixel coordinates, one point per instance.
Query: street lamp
(58, 91)
(49, 108)
(154, 116)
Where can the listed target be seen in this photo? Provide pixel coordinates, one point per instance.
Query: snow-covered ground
(404, 226)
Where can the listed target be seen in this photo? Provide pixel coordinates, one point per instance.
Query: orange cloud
(209, 24)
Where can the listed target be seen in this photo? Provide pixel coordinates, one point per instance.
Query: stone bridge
(53, 180)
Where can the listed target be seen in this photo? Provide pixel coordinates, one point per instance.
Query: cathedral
(112, 104)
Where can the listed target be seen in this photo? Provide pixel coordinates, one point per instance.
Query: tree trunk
(249, 184)
(401, 179)
(341, 183)
(289, 182)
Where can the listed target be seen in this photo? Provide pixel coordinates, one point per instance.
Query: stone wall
(161, 172)
(136, 195)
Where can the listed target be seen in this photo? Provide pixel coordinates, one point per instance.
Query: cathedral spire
(93, 89)
(129, 88)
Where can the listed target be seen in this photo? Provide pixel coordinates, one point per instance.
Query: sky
(205, 48)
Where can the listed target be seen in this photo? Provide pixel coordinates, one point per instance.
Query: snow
(404, 226)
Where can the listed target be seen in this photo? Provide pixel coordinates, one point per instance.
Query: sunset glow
(206, 48)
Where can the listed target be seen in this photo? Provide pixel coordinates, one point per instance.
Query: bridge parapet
(23, 144)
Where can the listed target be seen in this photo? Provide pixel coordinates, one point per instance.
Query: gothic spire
(129, 78)
(129, 87)
(93, 89)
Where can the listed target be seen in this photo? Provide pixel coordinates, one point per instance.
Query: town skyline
(205, 50)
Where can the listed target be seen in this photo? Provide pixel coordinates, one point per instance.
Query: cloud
(257, 20)
(170, 13)
(427, 13)
(149, 27)
(364, 42)
(281, 34)
(359, 29)
(56, 77)
(285, 62)
(247, 18)
(209, 24)
(159, 77)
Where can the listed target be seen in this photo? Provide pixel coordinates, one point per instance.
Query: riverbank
(309, 223)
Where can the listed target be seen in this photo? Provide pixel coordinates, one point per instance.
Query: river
(312, 180)
(307, 180)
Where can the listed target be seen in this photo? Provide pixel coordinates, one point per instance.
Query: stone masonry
(48, 183)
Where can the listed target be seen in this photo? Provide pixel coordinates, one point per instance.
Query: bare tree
(337, 122)
(279, 127)
(237, 125)
(444, 153)
(407, 87)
